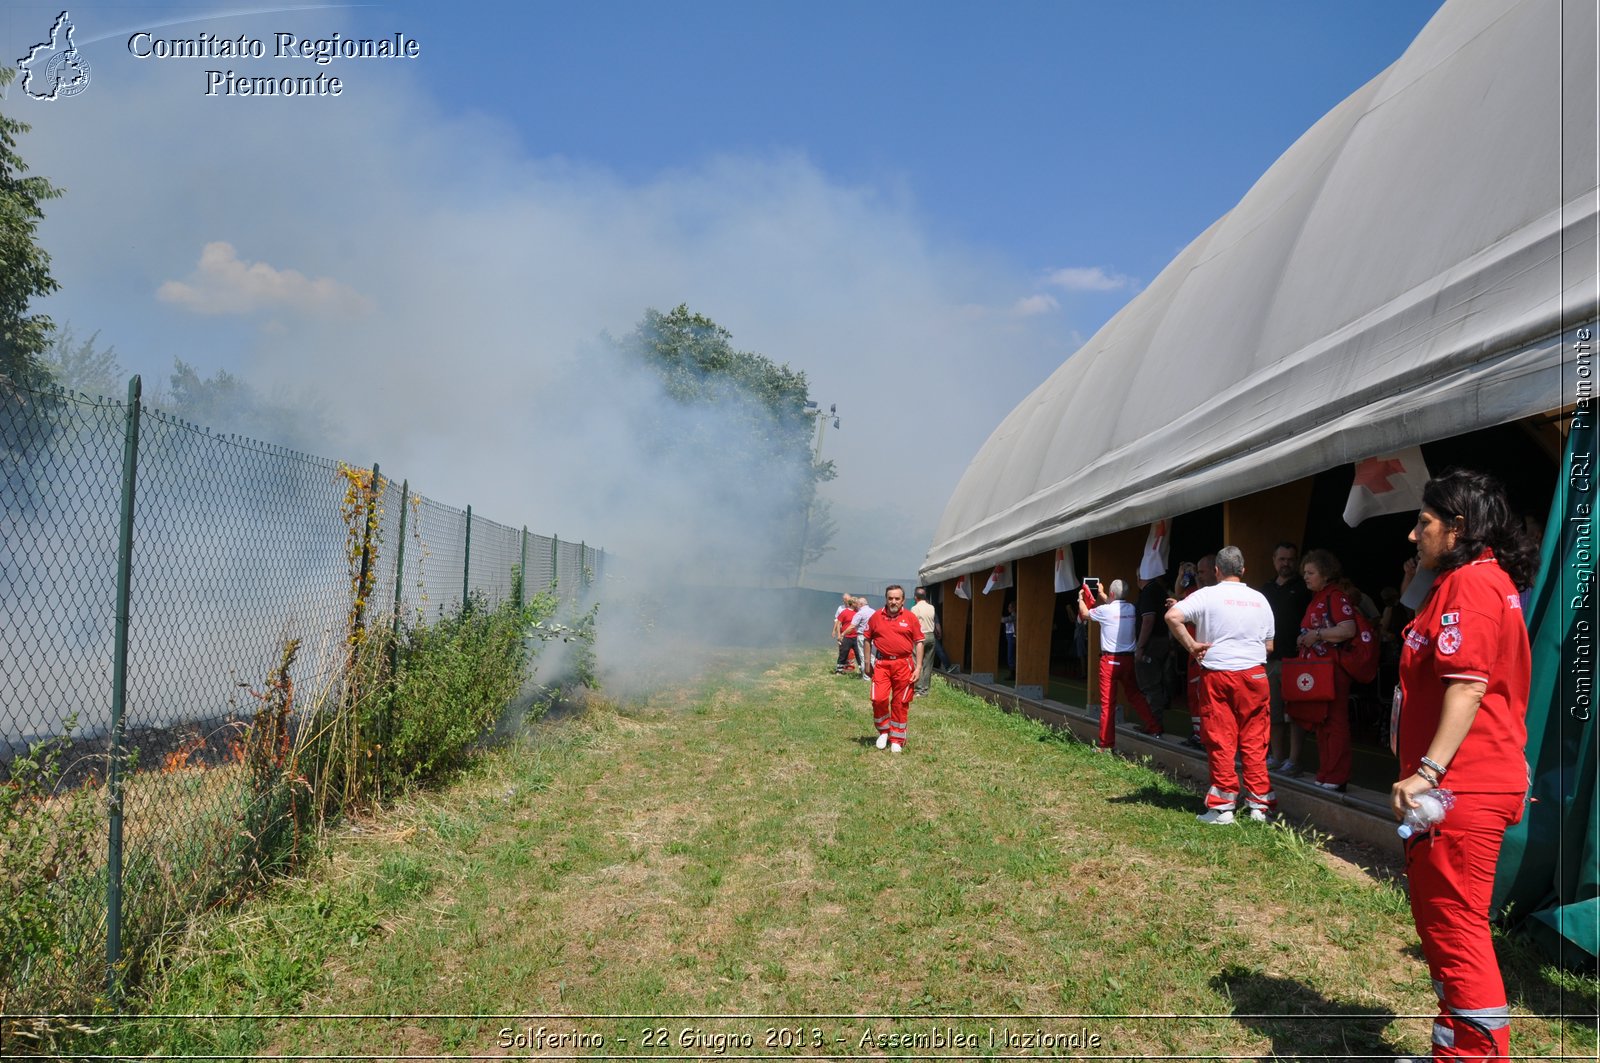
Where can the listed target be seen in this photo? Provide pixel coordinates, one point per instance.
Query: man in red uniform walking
(896, 638)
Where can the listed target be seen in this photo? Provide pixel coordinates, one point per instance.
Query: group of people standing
(1314, 610)
(1458, 717)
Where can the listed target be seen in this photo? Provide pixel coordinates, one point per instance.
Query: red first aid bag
(1307, 679)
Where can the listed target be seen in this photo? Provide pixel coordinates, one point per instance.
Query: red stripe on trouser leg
(1117, 670)
(1235, 721)
(891, 695)
(1451, 873)
(1191, 675)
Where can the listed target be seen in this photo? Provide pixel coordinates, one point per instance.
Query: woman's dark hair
(1327, 564)
(1480, 501)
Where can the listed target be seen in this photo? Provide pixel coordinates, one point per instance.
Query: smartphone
(1093, 583)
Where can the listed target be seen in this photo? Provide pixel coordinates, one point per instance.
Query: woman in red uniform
(1328, 621)
(1461, 708)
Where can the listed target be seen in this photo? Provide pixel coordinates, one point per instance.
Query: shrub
(52, 876)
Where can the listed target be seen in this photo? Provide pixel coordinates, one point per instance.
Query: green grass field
(734, 870)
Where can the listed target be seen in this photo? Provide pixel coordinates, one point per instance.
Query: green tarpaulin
(1550, 862)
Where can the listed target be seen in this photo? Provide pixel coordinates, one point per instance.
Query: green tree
(215, 401)
(83, 366)
(223, 401)
(762, 434)
(24, 265)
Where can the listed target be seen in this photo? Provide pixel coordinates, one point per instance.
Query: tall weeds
(51, 878)
(408, 705)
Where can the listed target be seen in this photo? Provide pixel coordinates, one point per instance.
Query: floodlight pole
(816, 460)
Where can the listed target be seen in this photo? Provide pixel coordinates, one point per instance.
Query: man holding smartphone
(1119, 633)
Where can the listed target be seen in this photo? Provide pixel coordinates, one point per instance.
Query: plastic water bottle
(1430, 811)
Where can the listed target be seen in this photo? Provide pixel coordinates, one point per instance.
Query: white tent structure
(1414, 267)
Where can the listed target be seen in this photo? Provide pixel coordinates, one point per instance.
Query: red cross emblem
(1374, 473)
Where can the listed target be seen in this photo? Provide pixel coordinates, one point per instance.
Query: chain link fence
(125, 795)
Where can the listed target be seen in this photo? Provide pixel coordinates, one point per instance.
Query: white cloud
(1035, 304)
(1088, 279)
(224, 284)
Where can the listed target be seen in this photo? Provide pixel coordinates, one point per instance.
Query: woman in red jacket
(1328, 621)
(1461, 723)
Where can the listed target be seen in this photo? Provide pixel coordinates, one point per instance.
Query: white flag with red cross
(999, 578)
(1066, 575)
(1389, 483)
(1156, 545)
(961, 588)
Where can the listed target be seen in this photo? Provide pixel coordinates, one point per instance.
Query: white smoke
(438, 285)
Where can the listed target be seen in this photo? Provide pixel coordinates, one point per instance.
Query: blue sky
(926, 207)
(1055, 132)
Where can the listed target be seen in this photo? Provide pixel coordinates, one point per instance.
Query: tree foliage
(747, 417)
(83, 366)
(226, 402)
(24, 265)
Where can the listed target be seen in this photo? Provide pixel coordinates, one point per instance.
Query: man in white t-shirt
(1233, 635)
(1118, 633)
(863, 614)
(928, 618)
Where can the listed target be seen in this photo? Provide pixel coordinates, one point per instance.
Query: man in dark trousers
(1153, 645)
(843, 632)
(928, 617)
(1288, 595)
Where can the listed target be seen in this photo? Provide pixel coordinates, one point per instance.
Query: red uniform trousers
(1236, 720)
(1191, 674)
(1451, 872)
(1333, 733)
(1191, 686)
(1117, 668)
(892, 691)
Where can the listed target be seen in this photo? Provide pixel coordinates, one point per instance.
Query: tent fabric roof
(1404, 272)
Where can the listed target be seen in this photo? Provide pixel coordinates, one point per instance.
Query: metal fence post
(466, 564)
(522, 571)
(394, 621)
(399, 574)
(583, 567)
(119, 696)
(555, 561)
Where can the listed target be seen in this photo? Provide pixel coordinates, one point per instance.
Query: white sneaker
(896, 747)
(1221, 816)
(1257, 816)
(883, 740)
